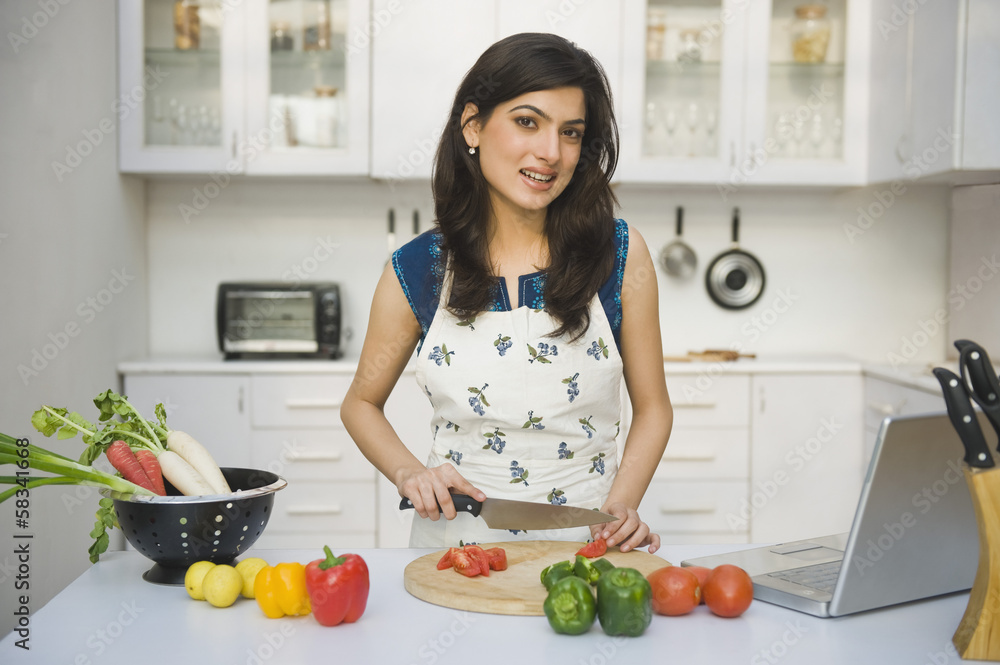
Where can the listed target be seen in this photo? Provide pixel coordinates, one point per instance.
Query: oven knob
(330, 329)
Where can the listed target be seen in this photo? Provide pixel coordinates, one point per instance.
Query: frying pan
(677, 258)
(735, 279)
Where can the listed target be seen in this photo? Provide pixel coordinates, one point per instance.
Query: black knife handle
(963, 419)
(463, 504)
(976, 366)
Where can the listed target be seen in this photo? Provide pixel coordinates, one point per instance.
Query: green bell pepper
(590, 570)
(556, 572)
(624, 602)
(570, 606)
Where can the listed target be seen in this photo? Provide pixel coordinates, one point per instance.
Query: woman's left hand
(628, 532)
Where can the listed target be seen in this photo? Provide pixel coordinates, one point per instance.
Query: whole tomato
(702, 574)
(675, 590)
(728, 591)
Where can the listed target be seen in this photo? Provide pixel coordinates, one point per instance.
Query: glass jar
(281, 36)
(810, 34)
(689, 48)
(656, 30)
(327, 117)
(187, 25)
(316, 34)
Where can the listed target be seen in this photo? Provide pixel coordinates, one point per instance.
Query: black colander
(175, 531)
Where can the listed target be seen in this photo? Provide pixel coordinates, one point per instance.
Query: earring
(472, 151)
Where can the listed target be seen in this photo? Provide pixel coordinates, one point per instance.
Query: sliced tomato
(465, 563)
(445, 561)
(481, 557)
(594, 550)
(498, 558)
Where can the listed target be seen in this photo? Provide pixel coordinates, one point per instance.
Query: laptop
(914, 533)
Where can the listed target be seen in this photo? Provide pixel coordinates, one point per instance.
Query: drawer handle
(331, 456)
(693, 510)
(312, 404)
(695, 405)
(688, 457)
(314, 510)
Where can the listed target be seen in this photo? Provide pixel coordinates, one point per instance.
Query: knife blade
(524, 515)
(977, 371)
(963, 419)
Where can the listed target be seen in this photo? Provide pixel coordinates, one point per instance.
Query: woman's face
(529, 148)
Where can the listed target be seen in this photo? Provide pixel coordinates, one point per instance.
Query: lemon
(248, 569)
(222, 586)
(194, 576)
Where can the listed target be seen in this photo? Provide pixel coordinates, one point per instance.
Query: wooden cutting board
(517, 590)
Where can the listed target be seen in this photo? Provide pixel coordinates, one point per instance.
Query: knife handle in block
(978, 634)
(963, 419)
(975, 362)
(463, 504)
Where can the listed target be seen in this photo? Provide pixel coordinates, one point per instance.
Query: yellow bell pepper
(281, 590)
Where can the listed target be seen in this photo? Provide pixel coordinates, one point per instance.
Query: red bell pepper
(337, 587)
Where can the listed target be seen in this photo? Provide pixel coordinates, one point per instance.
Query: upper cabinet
(275, 87)
(933, 111)
(731, 93)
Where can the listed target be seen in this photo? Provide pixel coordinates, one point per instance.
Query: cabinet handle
(688, 457)
(239, 400)
(314, 510)
(332, 456)
(732, 154)
(707, 404)
(235, 141)
(306, 403)
(693, 510)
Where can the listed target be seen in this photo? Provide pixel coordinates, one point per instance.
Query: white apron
(520, 415)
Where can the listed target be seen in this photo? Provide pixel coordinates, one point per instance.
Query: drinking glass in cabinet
(805, 87)
(307, 73)
(181, 40)
(683, 81)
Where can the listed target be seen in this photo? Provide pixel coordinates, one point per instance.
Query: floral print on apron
(521, 415)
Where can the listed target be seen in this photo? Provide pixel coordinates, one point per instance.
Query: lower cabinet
(290, 424)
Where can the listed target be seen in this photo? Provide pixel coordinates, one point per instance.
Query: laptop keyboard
(822, 576)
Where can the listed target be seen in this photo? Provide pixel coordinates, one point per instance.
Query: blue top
(420, 268)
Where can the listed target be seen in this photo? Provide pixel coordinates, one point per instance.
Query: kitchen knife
(977, 371)
(524, 515)
(963, 418)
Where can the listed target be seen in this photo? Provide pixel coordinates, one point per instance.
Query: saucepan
(677, 258)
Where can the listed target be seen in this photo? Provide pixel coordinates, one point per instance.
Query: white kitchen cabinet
(214, 409)
(939, 82)
(203, 91)
(712, 93)
(419, 57)
(703, 476)
(806, 449)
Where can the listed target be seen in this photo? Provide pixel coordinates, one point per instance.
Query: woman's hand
(628, 532)
(429, 488)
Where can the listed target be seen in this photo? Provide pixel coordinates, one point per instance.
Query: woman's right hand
(429, 488)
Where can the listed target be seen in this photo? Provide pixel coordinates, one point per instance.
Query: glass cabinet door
(685, 71)
(307, 88)
(179, 102)
(806, 84)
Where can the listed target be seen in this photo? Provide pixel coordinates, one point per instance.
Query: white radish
(197, 456)
(183, 476)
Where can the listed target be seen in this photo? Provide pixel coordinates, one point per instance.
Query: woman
(525, 382)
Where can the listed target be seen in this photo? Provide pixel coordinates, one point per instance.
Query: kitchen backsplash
(861, 271)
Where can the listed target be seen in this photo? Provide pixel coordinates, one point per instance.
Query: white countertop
(110, 615)
(216, 365)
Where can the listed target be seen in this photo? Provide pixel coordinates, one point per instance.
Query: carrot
(124, 460)
(152, 468)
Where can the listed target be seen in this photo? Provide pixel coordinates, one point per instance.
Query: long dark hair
(579, 223)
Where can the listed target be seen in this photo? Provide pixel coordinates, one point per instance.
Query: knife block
(978, 634)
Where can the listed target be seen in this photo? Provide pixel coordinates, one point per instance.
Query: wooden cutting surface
(517, 590)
